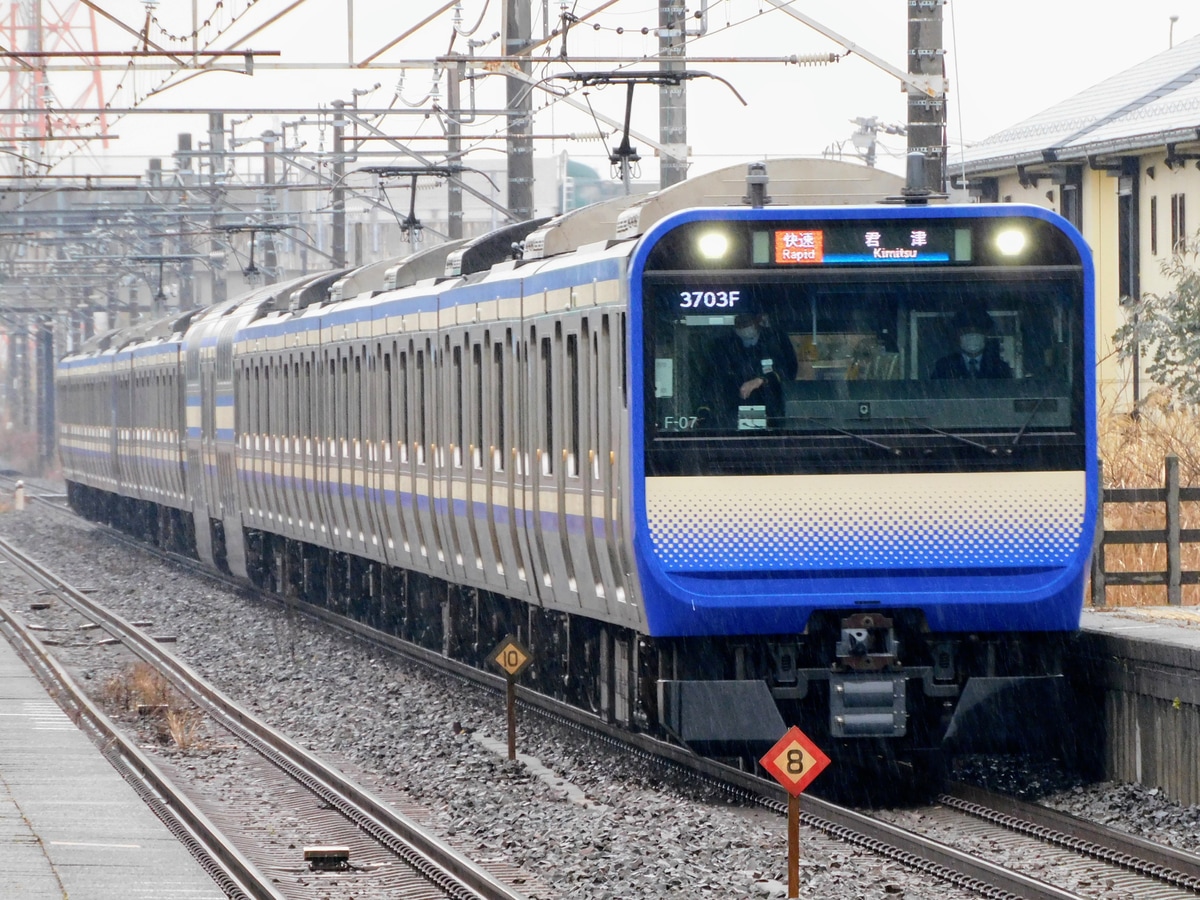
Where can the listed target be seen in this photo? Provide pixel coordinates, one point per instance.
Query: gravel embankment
(389, 724)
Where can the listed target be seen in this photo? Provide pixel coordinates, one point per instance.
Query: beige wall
(1099, 229)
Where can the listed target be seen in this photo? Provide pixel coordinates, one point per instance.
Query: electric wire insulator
(814, 59)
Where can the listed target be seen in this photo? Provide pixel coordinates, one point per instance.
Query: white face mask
(971, 343)
(749, 335)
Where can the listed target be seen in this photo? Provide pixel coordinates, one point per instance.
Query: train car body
(552, 445)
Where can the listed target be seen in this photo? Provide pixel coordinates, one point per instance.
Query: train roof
(485, 251)
(792, 182)
(587, 225)
(543, 250)
(395, 272)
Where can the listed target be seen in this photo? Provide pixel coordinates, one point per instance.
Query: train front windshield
(852, 346)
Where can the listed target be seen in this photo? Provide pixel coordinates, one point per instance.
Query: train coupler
(867, 705)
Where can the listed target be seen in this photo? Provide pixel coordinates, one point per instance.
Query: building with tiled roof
(1118, 160)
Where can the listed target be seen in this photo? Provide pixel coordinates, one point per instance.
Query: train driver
(752, 364)
(977, 355)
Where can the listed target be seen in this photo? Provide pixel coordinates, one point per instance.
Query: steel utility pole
(672, 98)
(927, 114)
(454, 193)
(925, 81)
(338, 260)
(516, 37)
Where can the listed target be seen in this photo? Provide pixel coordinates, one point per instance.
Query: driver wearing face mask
(749, 368)
(976, 356)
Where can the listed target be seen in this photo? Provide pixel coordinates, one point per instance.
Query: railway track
(434, 862)
(990, 845)
(229, 868)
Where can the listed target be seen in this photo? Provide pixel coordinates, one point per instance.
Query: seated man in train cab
(749, 368)
(977, 354)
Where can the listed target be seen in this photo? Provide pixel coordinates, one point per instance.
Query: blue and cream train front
(866, 434)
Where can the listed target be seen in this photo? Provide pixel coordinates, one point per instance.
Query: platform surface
(71, 828)
(1175, 630)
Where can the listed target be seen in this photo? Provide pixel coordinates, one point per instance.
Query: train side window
(419, 407)
(623, 361)
(572, 398)
(458, 412)
(286, 372)
(356, 405)
(332, 407)
(477, 405)
(306, 399)
(501, 402)
(594, 442)
(402, 391)
(389, 433)
(298, 403)
(344, 397)
(547, 393)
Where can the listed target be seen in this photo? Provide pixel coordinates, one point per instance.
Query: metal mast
(927, 114)
(516, 38)
(672, 98)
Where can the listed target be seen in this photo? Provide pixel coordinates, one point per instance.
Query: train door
(207, 416)
(343, 540)
(272, 445)
(112, 469)
(409, 539)
(324, 442)
(134, 470)
(482, 522)
(384, 440)
(365, 457)
(456, 483)
(124, 404)
(426, 487)
(602, 500)
(545, 481)
(525, 465)
(356, 469)
(176, 447)
(224, 449)
(290, 471)
(251, 431)
(193, 430)
(581, 475)
(505, 502)
(306, 441)
(448, 458)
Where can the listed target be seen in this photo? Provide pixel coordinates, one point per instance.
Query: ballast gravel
(594, 825)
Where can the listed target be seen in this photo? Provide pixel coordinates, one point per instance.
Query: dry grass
(139, 687)
(185, 726)
(1133, 452)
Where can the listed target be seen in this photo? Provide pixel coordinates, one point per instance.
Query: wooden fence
(1173, 536)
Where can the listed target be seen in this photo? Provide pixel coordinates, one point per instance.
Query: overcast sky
(1005, 61)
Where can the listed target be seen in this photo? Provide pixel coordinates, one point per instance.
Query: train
(714, 454)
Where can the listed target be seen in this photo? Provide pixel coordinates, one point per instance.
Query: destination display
(862, 244)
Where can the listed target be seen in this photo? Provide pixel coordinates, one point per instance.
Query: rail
(1172, 495)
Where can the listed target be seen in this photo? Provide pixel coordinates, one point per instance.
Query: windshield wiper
(956, 437)
(852, 434)
(1021, 433)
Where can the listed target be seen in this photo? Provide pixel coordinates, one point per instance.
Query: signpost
(512, 657)
(794, 762)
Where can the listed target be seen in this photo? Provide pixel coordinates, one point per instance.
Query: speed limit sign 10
(511, 656)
